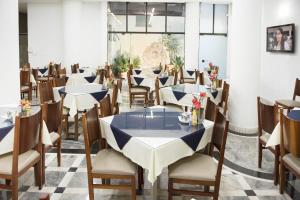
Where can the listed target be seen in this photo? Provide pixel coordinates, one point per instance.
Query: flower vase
(200, 115)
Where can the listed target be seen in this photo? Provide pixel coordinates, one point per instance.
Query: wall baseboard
(243, 131)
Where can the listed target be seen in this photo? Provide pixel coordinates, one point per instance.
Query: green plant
(116, 70)
(122, 61)
(177, 62)
(136, 62)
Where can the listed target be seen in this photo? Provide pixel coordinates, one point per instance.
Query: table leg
(155, 189)
(76, 127)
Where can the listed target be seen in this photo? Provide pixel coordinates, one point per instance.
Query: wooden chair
(211, 109)
(174, 73)
(59, 82)
(223, 105)
(289, 148)
(114, 101)
(219, 83)
(61, 73)
(27, 151)
(74, 68)
(135, 91)
(25, 84)
(102, 73)
(105, 106)
(187, 80)
(290, 104)
(46, 92)
(51, 70)
(57, 67)
(201, 169)
(52, 115)
(108, 71)
(200, 78)
(108, 163)
(267, 120)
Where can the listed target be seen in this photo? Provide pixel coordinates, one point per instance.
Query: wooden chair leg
(146, 100)
(76, 127)
(140, 177)
(43, 168)
(58, 149)
(170, 188)
(7, 181)
(130, 100)
(14, 195)
(260, 148)
(91, 188)
(206, 188)
(276, 166)
(282, 178)
(67, 126)
(38, 173)
(133, 188)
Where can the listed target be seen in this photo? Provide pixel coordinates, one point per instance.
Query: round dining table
(81, 78)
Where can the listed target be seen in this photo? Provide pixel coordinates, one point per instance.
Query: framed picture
(281, 38)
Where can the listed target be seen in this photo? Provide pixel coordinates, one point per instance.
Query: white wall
(9, 52)
(244, 64)
(279, 70)
(93, 47)
(192, 35)
(67, 31)
(45, 42)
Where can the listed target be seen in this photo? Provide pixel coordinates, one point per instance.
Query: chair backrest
(62, 72)
(218, 140)
(297, 89)
(105, 106)
(59, 82)
(157, 91)
(174, 73)
(52, 115)
(224, 98)
(267, 116)
(74, 68)
(211, 109)
(219, 83)
(102, 74)
(290, 137)
(129, 81)
(114, 101)
(57, 67)
(27, 132)
(51, 70)
(200, 78)
(181, 74)
(108, 71)
(24, 77)
(35, 73)
(46, 92)
(130, 70)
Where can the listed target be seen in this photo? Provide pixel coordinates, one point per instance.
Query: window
(213, 36)
(152, 31)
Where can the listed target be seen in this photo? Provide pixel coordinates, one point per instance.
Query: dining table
(274, 138)
(154, 138)
(7, 126)
(81, 78)
(148, 80)
(183, 94)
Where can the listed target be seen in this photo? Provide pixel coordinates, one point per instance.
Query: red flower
(198, 105)
(194, 100)
(202, 94)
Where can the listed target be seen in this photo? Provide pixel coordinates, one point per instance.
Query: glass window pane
(137, 17)
(221, 18)
(206, 18)
(116, 16)
(213, 48)
(175, 18)
(156, 17)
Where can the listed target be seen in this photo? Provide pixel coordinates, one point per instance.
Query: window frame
(146, 21)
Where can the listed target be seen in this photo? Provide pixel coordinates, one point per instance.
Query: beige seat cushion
(24, 160)
(133, 90)
(292, 161)
(54, 137)
(189, 80)
(197, 167)
(24, 88)
(289, 103)
(109, 161)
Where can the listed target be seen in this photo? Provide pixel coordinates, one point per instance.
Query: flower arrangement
(198, 111)
(25, 105)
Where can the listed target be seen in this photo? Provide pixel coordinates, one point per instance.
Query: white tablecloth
(157, 152)
(81, 78)
(191, 90)
(88, 70)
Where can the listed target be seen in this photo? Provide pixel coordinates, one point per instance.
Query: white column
(71, 14)
(9, 52)
(245, 64)
(192, 34)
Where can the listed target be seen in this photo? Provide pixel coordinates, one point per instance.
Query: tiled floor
(241, 179)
